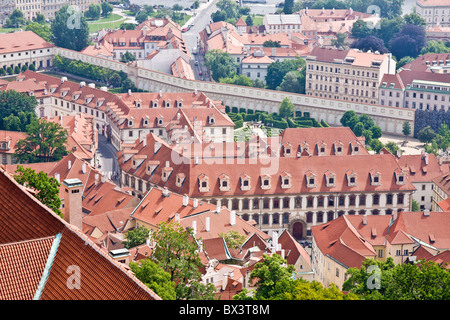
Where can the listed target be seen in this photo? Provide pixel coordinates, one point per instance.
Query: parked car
(184, 29)
(200, 73)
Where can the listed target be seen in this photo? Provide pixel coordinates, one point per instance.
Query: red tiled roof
(23, 218)
(418, 170)
(22, 41)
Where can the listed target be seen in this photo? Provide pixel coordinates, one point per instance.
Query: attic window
(285, 180)
(168, 104)
(130, 122)
(138, 103)
(155, 104)
(224, 183)
(203, 182)
(212, 120)
(310, 180)
(245, 182)
(330, 179)
(265, 182)
(351, 178)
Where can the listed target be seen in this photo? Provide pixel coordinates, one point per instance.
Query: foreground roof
(31, 233)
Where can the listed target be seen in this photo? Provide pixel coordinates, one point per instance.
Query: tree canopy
(70, 29)
(176, 252)
(277, 70)
(13, 103)
(45, 142)
(220, 63)
(47, 187)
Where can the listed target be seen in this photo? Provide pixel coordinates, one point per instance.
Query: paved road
(107, 158)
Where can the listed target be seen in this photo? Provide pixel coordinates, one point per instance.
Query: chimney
(218, 208)
(232, 217)
(208, 224)
(194, 227)
(97, 179)
(157, 146)
(195, 203)
(177, 217)
(426, 158)
(426, 213)
(73, 212)
(185, 200)
(364, 221)
(165, 192)
(57, 177)
(83, 168)
(275, 240)
(69, 164)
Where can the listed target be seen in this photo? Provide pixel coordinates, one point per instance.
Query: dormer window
(130, 122)
(100, 102)
(4, 145)
(338, 148)
(180, 103)
(64, 92)
(167, 170)
(330, 179)
(399, 177)
(310, 179)
(375, 178)
(303, 146)
(76, 95)
(285, 180)
(155, 103)
(151, 166)
(138, 103)
(265, 182)
(321, 148)
(287, 149)
(245, 182)
(212, 120)
(354, 146)
(224, 182)
(351, 178)
(88, 99)
(203, 182)
(160, 120)
(180, 179)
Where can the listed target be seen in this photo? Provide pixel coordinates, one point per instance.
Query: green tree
(107, 8)
(415, 19)
(392, 147)
(426, 134)
(136, 237)
(94, 11)
(293, 81)
(358, 129)
(127, 57)
(415, 206)
(127, 26)
(249, 21)
(42, 30)
(271, 44)
(220, 63)
(423, 280)
(12, 103)
(47, 187)
(155, 278)
(269, 274)
(176, 253)
(39, 18)
(403, 61)
(233, 239)
(70, 29)
(434, 46)
(286, 108)
(339, 42)
(376, 145)
(45, 142)
(19, 122)
(349, 118)
(15, 20)
(376, 132)
(238, 79)
(360, 29)
(141, 16)
(406, 129)
(115, 80)
(288, 6)
(276, 71)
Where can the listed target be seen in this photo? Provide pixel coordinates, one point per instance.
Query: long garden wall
(390, 119)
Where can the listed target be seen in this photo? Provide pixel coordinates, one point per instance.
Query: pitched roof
(421, 168)
(22, 41)
(26, 219)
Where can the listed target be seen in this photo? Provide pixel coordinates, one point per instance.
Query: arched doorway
(297, 230)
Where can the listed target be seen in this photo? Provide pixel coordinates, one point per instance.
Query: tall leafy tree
(70, 29)
(176, 252)
(136, 237)
(278, 69)
(42, 30)
(45, 142)
(424, 280)
(107, 8)
(155, 278)
(286, 108)
(221, 64)
(15, 20)
(47, 187)
(13, 102)
(288, 7)
(408, 42)
(370, 43)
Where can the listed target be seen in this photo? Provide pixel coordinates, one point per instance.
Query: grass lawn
(257, 20)
(5, 30)
(112, 21)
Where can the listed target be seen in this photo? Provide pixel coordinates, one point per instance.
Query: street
(107, 158)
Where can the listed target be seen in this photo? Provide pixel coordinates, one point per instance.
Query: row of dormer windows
(286, 179)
